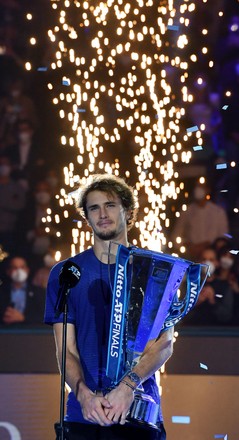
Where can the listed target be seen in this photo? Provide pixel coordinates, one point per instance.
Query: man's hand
(121, 399)
(12, 315)
(94, 408)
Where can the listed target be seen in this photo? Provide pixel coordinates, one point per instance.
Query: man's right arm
(92, 405)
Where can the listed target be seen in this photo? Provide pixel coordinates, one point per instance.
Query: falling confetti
(172, 28)
(65, 82)
(221, 166)
(181, 419)
(203, 366)
(192, 129)
(234, 251)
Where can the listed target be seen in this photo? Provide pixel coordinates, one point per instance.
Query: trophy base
(144, 411)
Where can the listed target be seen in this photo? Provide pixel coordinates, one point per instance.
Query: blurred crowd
(30, 179)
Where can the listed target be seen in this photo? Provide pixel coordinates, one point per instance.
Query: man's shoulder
(213, 206)
(80, 258)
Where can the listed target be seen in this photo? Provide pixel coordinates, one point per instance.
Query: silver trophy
(145, 303)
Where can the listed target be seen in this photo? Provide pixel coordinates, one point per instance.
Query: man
(12, 202)
(108, 205)
(202, 223)
(20, 302)
(27, 155)
(215, 302)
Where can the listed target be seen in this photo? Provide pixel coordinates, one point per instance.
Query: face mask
(226, 262)
(19, 275)
(49, 260)
(43, 197)
(212, 267)
(4, 170)
(199, 193)
(24, 136)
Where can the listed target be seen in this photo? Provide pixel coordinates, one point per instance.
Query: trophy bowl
(146, 303)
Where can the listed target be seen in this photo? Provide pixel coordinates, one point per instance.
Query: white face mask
(19, 275)
(199, 193)
(43, 197)
(226, 262)
(212, 267)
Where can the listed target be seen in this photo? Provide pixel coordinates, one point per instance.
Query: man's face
(106, 215)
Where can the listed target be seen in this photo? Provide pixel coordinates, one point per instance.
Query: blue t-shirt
(89, 309)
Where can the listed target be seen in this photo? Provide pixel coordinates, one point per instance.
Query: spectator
(34, 238)
(228, 270)
(200, 113)
(215, 302)
(20, 301)
(14, 106)
(220, 242)
(52, 178)
(42, 273)
(26, 155)
(12, 202)
(200, 224)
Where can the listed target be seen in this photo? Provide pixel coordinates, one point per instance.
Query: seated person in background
(220, 242)
(20, 301)
(215, 302)
(12, 203)
(41, 274)
(33, 238)
(27, 155)
(16, 105)
(200, 224)
(229, 271)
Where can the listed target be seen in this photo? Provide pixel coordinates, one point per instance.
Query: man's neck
(16, 285)
(106, 251)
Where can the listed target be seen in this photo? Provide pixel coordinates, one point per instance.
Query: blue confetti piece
(65, 82)
(197, 148)
(234, 251)
(225, 107)
(81, 110)
(221, 166)
(172, 27)
(75, 221)
(42, 69)
(181, 419)
(205, 367)
(227, 235)
(221, 436)
(192, 129)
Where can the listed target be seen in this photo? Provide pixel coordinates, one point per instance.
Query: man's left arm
(155, 354)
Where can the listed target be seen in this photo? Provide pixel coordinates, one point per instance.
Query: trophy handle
(180, 308)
